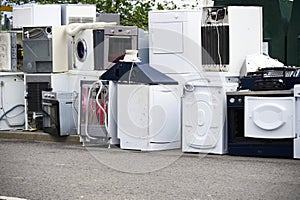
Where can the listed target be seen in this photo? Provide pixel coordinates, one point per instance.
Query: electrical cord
(75, 109)
(108, 136)
(39, 31)
(129, 77)
(10, 110)
(218, 40)
(103, 110)
(86, 112)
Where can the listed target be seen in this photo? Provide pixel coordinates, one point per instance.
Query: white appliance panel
(59, 49)
(18, 16)
(133, 111)
(74, 13)
(12, 94)
(36, 15)
(112, 113)
(204, 128)
(175, 41)
(297, 122)
(245, 35)
(164, 119)
(172, 31)
(269, 117)
(297, 129)
(148, 117)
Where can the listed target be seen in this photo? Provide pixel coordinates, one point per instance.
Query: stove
(57, 109)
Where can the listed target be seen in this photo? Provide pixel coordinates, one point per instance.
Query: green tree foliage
(132, 12)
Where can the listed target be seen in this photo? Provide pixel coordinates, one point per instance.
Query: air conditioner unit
(8, 51)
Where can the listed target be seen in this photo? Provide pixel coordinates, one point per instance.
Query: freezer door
(269, 117)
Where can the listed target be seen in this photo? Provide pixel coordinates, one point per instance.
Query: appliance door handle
(119, 36)
(47, 104)
(166, 91)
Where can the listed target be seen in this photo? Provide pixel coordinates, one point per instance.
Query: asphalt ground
(61, 170)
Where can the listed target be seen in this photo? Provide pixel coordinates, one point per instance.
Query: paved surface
(52, 170)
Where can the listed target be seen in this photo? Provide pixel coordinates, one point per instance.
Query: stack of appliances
(261, 116)
(206, 60)
(148, 107)
(101, 48)
(180, 60)
(44, 61)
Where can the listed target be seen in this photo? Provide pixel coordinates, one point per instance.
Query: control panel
(121, 30)
(49, 95)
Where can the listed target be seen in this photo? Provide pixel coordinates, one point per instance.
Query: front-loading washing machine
(83, 54)
(203, 117)
(204, 113)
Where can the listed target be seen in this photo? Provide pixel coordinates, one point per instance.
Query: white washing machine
(148, 117)
(83, 51)
(204, 128)
(297, 122)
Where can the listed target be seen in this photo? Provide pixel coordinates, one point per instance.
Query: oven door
(269, 117)
(115, 47)
(51, 117)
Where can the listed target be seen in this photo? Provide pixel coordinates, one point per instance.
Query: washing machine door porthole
(81, 50)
